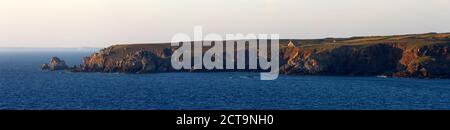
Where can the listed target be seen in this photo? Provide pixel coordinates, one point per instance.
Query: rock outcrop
(390, 59)
(55, 64)
(420, 55)
(128, 59)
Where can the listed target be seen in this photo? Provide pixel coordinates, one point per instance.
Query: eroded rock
(55, 64)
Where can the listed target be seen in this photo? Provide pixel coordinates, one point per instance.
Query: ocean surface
(24, 86)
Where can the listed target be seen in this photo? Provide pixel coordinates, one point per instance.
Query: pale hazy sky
(100, 23)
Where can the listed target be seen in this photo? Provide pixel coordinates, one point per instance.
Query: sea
(24, 86)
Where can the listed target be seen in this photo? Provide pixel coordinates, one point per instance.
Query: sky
(100, 23)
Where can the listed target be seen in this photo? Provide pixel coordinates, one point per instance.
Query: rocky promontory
(415, 55)
(55, 64)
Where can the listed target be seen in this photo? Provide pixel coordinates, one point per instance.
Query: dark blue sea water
(24, 86)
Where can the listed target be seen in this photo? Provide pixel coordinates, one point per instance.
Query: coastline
(413, 56)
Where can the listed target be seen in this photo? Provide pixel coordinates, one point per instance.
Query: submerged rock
(55, 64)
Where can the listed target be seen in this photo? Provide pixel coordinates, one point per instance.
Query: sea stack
(55, 64)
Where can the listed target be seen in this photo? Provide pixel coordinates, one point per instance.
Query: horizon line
(61, 47)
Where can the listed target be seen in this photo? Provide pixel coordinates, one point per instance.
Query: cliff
(416, 55)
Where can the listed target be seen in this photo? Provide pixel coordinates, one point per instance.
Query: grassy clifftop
(411, 40)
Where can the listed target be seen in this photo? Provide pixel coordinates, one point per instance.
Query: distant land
(413, 55)
(36, 49)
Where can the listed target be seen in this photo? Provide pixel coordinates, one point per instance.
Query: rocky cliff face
(422, 56)
(390, 59)
(428, 61)
(129, 59)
